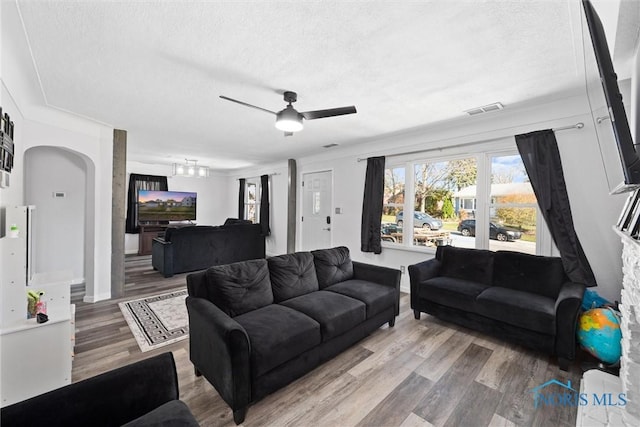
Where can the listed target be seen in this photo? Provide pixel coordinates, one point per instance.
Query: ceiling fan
(289, 119)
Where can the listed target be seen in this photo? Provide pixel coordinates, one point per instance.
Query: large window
(513, 206)
(252, 202)
(446, 196)
(436, 212)
(393, 203)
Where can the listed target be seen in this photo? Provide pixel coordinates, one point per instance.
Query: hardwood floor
(419, 373)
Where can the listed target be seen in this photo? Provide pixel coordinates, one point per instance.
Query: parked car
(468, 228)
(421, 219)
(387, 230)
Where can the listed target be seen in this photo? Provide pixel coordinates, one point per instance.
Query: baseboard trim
(96, 298)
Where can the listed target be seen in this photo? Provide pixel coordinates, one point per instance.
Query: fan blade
(247, 105)
(319, 114)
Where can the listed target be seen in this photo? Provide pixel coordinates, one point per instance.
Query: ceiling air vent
(485, 109)
(330, 145)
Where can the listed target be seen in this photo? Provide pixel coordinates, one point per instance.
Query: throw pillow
(292, 275)
(332, 266)
(475, 265)
(529, 273)
(241, 287)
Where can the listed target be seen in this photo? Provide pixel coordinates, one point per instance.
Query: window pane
(393, 201)
(251, 193)
(513, 207)
(444, 196)
(251, 211)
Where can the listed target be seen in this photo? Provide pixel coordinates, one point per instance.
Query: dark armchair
(144, 393)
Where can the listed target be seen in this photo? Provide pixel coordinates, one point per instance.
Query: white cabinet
(36, 358)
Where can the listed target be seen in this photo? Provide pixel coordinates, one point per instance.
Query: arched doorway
(58, 183)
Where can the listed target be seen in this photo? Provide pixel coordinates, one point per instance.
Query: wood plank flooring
(419, 373)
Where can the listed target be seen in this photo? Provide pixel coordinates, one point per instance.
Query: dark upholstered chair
(144, 393)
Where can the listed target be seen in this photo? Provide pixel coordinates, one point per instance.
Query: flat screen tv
(154, 206)
(609, 79)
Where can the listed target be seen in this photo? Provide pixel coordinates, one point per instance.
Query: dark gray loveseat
(255, 326)
(523, 298)
(194, 247)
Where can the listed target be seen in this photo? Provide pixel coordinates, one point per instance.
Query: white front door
(316, 210)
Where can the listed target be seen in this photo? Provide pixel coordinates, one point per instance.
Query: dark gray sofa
(526, 299)
(144, 393)
(193, 248)
(255, 326)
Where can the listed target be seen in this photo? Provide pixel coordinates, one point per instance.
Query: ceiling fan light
(289, 120)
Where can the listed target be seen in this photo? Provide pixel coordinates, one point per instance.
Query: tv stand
(146, 235)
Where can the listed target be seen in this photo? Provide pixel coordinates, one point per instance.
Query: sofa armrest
(567, 311)
(377, 274)
(420, 272)
(162, 256)
(109, 399)
(219, 348)
(381, 275)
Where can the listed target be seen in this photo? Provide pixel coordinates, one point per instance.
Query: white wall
(594, 210)
(38, 125)
(59, 222)
(211, 208)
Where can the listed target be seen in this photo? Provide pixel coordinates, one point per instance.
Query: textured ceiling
(156, 69)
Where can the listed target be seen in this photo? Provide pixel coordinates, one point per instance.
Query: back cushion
(529, 273)
(292, 275)
(241, 287)
(475, 265)
(332, 266)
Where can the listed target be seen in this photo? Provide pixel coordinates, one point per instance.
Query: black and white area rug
(158, 320)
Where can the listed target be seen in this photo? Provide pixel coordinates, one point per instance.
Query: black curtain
(140, 182)
(264, 205)
(370, 239)
(539, 152)
(243, 183)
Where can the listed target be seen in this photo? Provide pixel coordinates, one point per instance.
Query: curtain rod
(258, 176)
(578, 125)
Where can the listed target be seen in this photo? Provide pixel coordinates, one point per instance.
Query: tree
(447, 209)
(435, 183)
(462, 173)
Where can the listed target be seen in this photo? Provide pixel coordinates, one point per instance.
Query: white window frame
(544, 242)
(248, 204)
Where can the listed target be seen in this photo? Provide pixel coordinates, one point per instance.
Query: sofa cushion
(376, 297)
(467, 264)
(332, 266)
(528, 273)
(241, 287)
(451, 292)
(335, 313)
(292, 275)
(277, 334)
(172, 413)
(523, 309)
